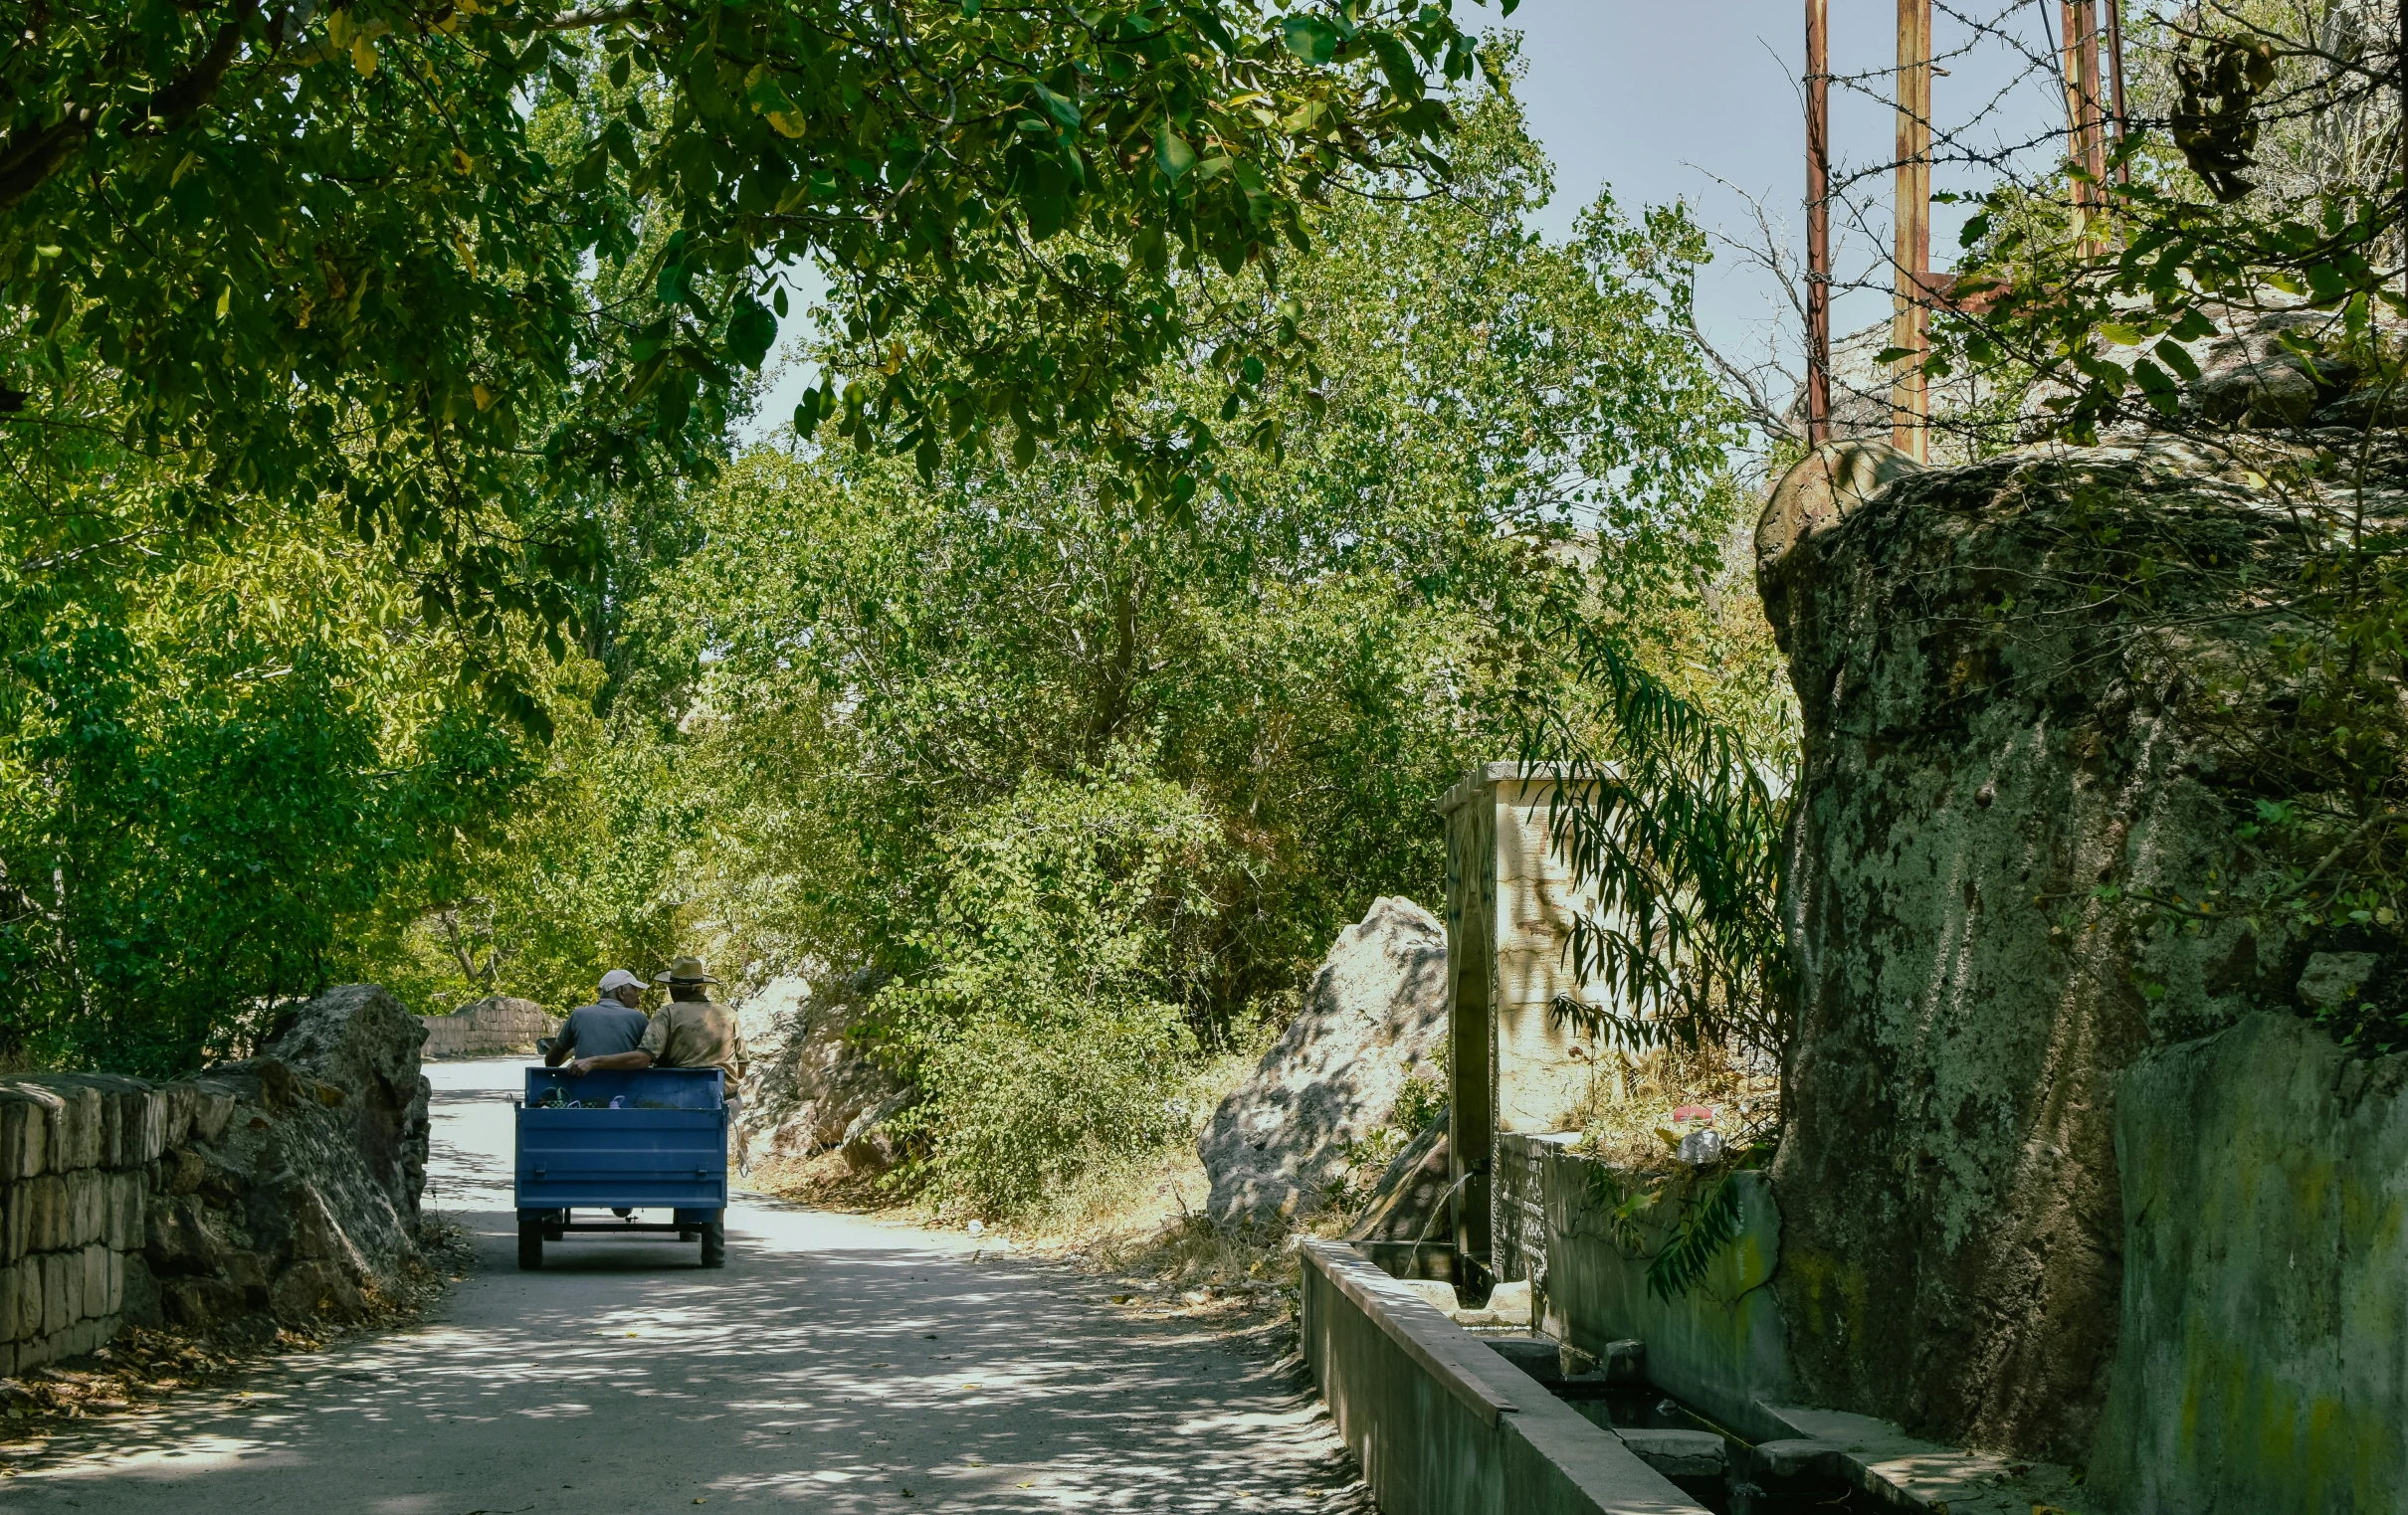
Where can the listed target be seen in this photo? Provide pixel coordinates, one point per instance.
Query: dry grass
(1629, 1102)
(1136, 1224)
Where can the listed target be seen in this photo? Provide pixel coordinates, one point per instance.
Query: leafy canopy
(315, 253)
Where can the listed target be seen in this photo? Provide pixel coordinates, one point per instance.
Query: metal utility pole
(1909, 398)
(1817, 221)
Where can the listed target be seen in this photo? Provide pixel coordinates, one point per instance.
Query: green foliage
(302, 256)
(1709, 1223)
(1675, 822)
(1037, 1027)
(210, 767)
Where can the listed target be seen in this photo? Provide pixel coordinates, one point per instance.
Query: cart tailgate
(588, 1159)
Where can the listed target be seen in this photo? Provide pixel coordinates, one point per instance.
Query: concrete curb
(1441, 1424)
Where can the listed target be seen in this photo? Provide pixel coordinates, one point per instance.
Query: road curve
(836, 1365)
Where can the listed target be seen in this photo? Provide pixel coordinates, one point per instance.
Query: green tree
(300, 254)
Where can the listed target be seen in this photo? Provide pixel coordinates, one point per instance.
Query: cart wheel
(714, 1244)
(530, 1244)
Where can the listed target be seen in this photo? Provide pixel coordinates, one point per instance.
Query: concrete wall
(2264, 1361)
(1511, 903)
(73, 1184)
(1441, 1424)
(1723, 1346)
(488, 1028)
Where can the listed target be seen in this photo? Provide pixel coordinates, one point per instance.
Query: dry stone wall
(74, 1179)
(263, 1191)
(490, 1027)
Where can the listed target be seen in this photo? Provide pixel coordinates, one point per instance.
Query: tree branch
(24, 166)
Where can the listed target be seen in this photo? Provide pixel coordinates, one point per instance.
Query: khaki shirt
(695, 1033)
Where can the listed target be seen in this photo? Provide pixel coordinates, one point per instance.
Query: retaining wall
(274, 1189)
(2264, 1363)
(487, 1027)
(1441, 1424)
(1720, 1345)
(74, 1181)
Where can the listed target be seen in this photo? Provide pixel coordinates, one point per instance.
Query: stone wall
(75, 1155)
(496, 1026)
(278, 1189)
(2264, 1363)
(2004, 716)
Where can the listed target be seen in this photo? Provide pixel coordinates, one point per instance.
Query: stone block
(8, 1301)
(93, 1296)
(60, 1284)
(16, 1213)
(47, 1219)
(84, 1129)
(177, 1240)
(1678, 1454)
(151, 1133)
(123, 1228)
(182, 1101)
(110, 1141)
(26, 1287)
(213, 1109)
(87, 1206)
(27, 1111)
(1778, 1464)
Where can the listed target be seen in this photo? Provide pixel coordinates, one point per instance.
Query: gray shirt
(602, 1029)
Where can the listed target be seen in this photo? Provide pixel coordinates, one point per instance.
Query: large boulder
(362, 1040)
(1378, 1008)
(810, 1089)
(287, 1184)
(2031, 689)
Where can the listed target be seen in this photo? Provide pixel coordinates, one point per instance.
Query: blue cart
(625, 1140)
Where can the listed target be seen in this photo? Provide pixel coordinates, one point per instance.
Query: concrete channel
(1447, 1420)
(1445, 1425)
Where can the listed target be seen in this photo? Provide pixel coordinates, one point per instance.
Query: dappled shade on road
(835, 1363)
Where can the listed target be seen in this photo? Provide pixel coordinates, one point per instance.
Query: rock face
(359, 1038)
(274, 1190)
(1376, 1009)
(495, 1026)
(809, 1091)
(2004, 715)
(1408, 1203)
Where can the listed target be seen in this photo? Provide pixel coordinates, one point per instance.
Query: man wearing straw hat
(692, 1031)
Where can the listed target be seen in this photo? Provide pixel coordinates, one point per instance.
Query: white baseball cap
(619, 978)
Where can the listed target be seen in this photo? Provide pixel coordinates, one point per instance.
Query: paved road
(836, 1365)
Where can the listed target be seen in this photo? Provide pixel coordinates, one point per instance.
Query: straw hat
(686, 970)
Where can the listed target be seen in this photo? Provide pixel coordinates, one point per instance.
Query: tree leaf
(1172, 153)
(1309, 37)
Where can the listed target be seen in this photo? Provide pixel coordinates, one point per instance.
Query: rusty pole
(2085, 144)
(1817, 221)
(2114, 39)
(1910, 397)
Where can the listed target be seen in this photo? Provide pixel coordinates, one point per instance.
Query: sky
(1700, 100)
(1661, 101)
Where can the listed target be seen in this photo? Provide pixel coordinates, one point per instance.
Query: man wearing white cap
(610, 1025)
